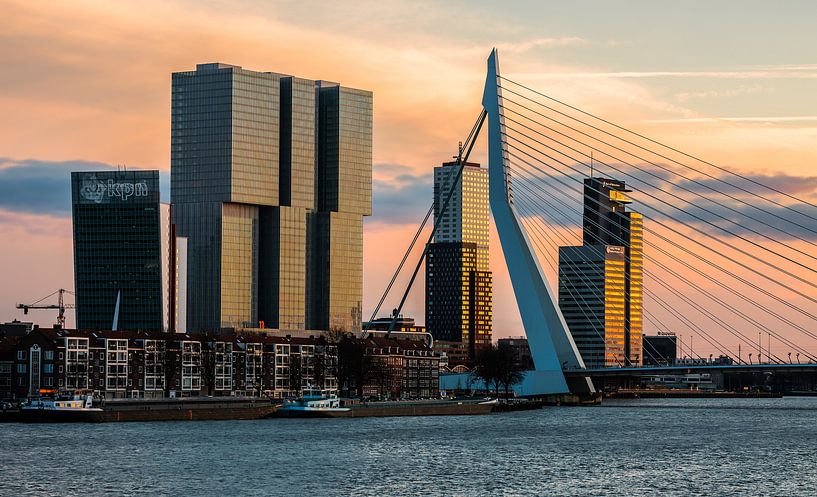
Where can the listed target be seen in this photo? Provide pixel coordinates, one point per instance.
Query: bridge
(703, 251)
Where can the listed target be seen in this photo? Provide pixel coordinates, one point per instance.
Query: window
(21, 368)
(49, 355)
(21, 355)
(48, 369)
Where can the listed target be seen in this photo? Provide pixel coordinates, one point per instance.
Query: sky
(86, 85)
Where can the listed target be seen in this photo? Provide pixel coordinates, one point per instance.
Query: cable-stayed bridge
(721, 258)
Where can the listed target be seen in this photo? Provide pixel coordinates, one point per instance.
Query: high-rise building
(591, 297)
(611, 228)
(270, 180)
(121, 248)
(458, 280)
(661, 349)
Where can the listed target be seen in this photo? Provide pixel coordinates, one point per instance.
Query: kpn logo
(99, 191)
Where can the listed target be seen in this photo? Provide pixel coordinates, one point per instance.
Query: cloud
(724, 74)
(742, 119)
(401, 199)
(44, 187)
(527, 45)
(732, 92)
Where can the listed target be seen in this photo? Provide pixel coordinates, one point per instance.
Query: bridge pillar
(551, 344)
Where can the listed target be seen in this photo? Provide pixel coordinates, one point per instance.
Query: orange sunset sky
(86, 84)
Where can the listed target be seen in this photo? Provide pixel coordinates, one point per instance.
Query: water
(645, 447)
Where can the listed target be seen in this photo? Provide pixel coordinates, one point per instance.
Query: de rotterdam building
(270, 180)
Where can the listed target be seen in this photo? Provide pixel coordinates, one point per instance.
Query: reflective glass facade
(458, 280)
(466, 218)
(117, 249)
(257, 160)
(606, 222)
(336, 295)
(591, 298)
(283, 267)
(345, 164)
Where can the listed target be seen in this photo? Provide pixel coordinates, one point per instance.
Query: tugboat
(77, 407)
(314, 404)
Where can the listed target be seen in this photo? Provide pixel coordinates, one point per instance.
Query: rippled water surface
(646, 447)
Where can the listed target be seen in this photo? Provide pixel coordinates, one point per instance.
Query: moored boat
(63, 408)
(314, 403)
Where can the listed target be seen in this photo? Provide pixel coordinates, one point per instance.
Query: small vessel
(63, 408)
(314, 403)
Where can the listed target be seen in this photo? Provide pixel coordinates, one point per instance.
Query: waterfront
(646, 447)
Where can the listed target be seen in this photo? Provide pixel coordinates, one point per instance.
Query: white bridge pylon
(551, 344)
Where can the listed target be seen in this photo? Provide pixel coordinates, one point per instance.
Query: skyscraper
(591, 297)
(613, 239)
(120, 250)
(270, 180)
(458, 281)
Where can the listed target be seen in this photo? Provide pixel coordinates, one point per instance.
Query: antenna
(591, 163)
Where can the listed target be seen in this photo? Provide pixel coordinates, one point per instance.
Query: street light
(789, 357)
(750, 358)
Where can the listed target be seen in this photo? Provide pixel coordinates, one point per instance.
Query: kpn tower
(270, 180)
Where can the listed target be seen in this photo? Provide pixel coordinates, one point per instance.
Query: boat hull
(61, 416)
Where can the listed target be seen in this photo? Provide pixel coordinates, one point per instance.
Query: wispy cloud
(728, 93)
(805, 73)
(744, 119)
(526, 45)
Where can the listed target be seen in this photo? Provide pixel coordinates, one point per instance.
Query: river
(645, 447)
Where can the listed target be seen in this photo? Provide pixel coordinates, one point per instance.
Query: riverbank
(183, 409)
(688, 394)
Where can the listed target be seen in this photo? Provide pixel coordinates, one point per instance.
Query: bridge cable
(700, 289)
(722, 169)
(650, 173)
(768, 278)
(726, 306)
(686, 212)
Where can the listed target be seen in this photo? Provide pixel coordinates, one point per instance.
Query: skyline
(423, 103)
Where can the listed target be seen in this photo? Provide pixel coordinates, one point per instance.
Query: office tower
(270, 179)
(120, 250)
(458, 281)
(344, 197)
(607, 223)
(661, 349)
(591, 297)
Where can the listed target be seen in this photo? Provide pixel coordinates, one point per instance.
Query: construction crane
(60, 305)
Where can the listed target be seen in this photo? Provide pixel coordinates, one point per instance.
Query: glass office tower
(458, 279)
(248, 187)
(118, 250)
(591, 297)
(607, 223)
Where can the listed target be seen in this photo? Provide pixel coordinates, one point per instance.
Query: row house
(401, 369)
(125, 364)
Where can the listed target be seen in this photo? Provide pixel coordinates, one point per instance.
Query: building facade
(661, 349)
(121, 253)
(606, 221)
(123, 364)
(270, 180)
(591, 297)
(521, 351)
(458, 279)
(601, 282)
